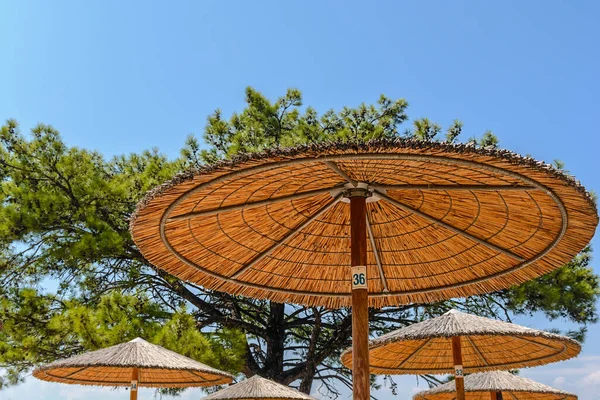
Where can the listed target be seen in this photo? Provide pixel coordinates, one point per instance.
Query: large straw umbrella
(497, 385)
(257, 388)
(459, 342)
(135, 364)
(416, 221)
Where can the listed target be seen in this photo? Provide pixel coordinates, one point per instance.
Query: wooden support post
(133, 389)
(496, 395)
(458, 368)
(360, 308)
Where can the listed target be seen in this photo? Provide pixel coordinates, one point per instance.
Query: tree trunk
(275, 339)
(309, 373)
(306, 382)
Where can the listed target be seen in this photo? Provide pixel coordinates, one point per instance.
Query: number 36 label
(359, 277)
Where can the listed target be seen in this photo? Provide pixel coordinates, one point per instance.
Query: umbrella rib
(74, 372)
(448, 226)
(488, 188)
(287, 237)
(204, 379)
(377, 259)
(335, 168)
(538, 343)
(477, 351)
(253, 204)
(414, 353)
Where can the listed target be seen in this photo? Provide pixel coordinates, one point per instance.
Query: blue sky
(120, 77)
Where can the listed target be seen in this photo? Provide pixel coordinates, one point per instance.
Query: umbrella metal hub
(360, 189)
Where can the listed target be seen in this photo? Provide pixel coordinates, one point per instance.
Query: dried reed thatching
(157, 366)
(487, 345)
(448, 221)
(257, 388)
(513, 387)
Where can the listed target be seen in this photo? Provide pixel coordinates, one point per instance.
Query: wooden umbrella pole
(133, 390)
(458, 368)
(360, 309)
(496, 395)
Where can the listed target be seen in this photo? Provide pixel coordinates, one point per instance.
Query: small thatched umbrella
(257, 388)
(135, 363)
(496, 385)
(365, 224)
(459, 342)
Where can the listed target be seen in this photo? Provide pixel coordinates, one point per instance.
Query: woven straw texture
(257, 388)
(478, 387)
(158, 367)
(487, 344)
(449, 221)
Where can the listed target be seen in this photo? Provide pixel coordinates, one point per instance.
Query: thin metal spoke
(376, 252)
(341, 173)
(253, 204)
(218, 378)
(538, 343)
(452, 228)
(287, 237)
(414, 353)
(477, 351)
(486, 188)
(74, 372)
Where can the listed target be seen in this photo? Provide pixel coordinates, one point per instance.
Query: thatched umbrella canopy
(496, 385)
(135, 363)
(417, 222)
(446, 221)
(487, 345)
(258, 388)
(459, 342)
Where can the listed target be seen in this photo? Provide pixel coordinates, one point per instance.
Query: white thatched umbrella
(496, 385)
(135, 363)
(257, 388)
(459, 342)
